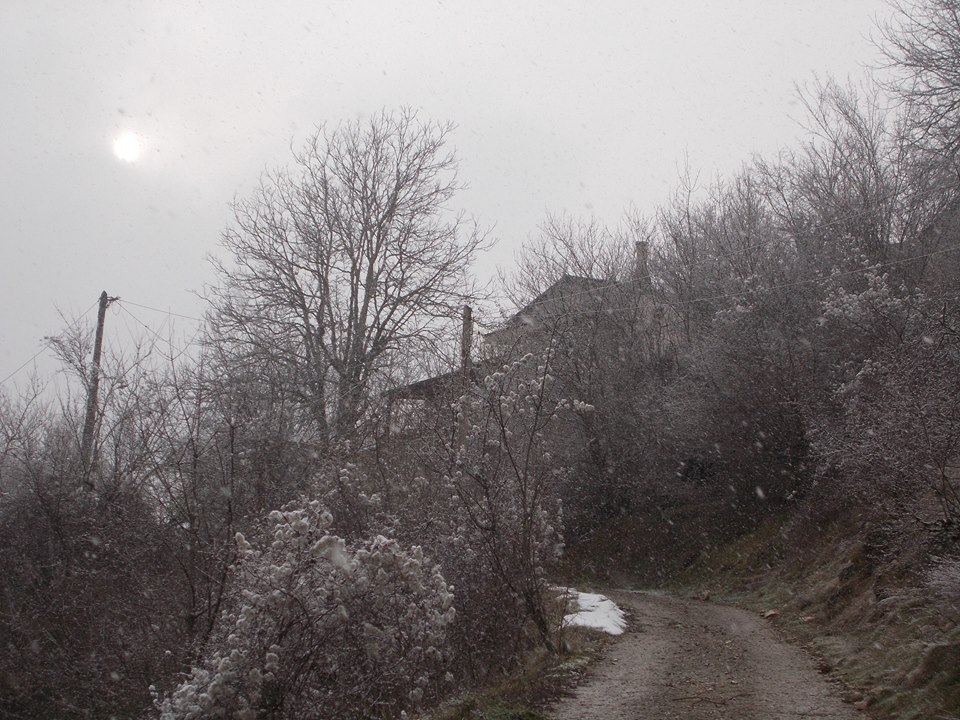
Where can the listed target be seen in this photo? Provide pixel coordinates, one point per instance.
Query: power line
(165, 312)
(121, 303)
(21, 367)
(157, 335)
(44, 348)
(140, 322)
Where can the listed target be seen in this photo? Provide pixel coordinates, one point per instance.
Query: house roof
(431, 387)
(568, 286)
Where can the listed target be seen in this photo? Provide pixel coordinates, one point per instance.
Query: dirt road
(697, 660)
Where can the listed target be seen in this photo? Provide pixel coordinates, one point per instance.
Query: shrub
(320, 629)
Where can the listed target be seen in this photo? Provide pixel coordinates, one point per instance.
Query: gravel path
(696, 660)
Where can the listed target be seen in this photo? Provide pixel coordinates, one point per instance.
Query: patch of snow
(594, 611)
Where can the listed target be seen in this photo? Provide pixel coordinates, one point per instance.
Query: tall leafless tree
(350, 256)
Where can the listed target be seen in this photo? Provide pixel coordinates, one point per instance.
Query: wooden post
(90, 421)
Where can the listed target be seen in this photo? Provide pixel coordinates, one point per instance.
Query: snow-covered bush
(897, 398)
(317, 628)
(503, 484)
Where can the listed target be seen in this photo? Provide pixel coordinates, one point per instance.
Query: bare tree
(922, 42)
(567, 245)
(21, 422)
(350, 256)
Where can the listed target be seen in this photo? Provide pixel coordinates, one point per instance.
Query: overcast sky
(579, 107)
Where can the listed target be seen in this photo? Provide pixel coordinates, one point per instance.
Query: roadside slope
(693, 660)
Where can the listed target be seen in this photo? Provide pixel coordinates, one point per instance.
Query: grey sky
(582, 107)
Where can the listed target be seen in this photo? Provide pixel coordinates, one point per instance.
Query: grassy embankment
(854, 587)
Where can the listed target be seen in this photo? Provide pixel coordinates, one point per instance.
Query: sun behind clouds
(128, 147)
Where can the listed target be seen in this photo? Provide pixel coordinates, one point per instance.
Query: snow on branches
(316, 628)
(505, 482)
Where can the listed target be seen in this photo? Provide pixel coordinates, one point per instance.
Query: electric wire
(45, 347)
(165, 312)
(175, 353)
(24, 364)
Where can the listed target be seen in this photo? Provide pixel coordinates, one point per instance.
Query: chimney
(641, 269)
(466, 339)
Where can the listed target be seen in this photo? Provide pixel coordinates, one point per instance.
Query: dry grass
(543, 679)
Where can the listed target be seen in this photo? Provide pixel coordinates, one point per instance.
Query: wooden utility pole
(90, 421)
